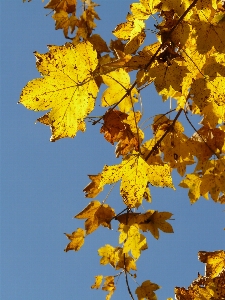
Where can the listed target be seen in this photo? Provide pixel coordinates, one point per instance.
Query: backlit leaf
(67, 88)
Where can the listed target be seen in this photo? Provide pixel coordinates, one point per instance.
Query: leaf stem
(127, 283)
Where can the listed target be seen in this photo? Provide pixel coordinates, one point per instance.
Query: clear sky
(42, 183)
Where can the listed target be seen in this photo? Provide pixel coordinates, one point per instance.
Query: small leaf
(77, 240)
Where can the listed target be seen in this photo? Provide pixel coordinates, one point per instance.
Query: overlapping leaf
(118, 85)
(212, 180)
(116, 257)
(122, 128)
(132, 240)
(150, 221)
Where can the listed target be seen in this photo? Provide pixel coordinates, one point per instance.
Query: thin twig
(128, 287)
(109, 193)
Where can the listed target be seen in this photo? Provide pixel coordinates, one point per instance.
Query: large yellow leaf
(67, 89)
(96, 214)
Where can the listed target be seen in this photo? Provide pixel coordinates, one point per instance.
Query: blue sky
(42, 183)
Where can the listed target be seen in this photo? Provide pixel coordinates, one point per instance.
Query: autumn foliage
(187, 63)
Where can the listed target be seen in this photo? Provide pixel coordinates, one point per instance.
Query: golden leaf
(98, 282)
(77, 240)
(129, 30)
(93, 188)
(146, 290)
(135, 174)
(109, 286)
(153, 221)
(215, 262)
(118, 83)
(193, 182)
(132, 239)
(96, 214)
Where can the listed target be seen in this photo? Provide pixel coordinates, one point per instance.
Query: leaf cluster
(187, 63)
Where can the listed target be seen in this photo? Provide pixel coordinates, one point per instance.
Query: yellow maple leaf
(143, 10)
(96, 214)
(135, 174)
(215, 262)
(132, 239)
(150, 221)
(77, 240)
(146, 290)
(67, 88)
(118, 83)
(209, 34)
(212, 285)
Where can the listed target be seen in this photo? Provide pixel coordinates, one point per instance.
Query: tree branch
(155, 147)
